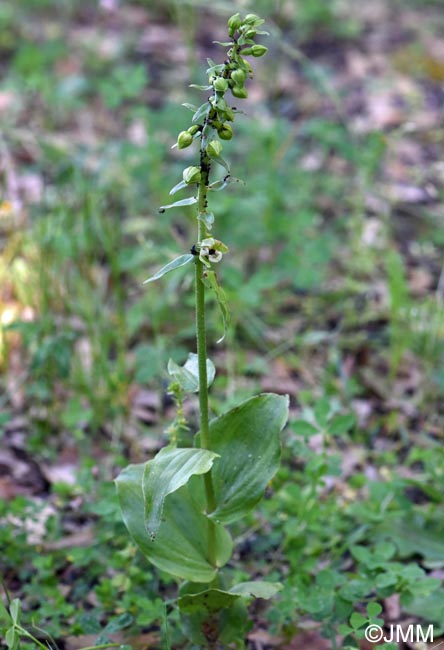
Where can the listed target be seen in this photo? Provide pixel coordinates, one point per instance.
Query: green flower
(184, 139)
(214, 148)
(240, 93)
(238, 76)
(220, 85)
(234, 22)
(259, 50)
(211, 250)
(225, 132)
(191, 175)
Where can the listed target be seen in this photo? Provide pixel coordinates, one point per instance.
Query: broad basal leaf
(226, 613)
(181, 545)
(174, 264)
(247, 439)
(166, 473)
(256, 589)
(188, 375)
(213, 600)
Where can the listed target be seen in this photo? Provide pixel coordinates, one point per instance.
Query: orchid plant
(177, 506)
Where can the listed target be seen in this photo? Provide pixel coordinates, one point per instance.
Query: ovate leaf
(168, 471)
(197, 606)
(12, 638)
(247, 439)
(181, 545)
(211, 601)
(341, 424)
(15, 609)
(5, 617)
(174, 264)
(188, 375)
(257, 589)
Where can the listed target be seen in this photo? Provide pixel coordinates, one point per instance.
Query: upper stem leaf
(174, 264)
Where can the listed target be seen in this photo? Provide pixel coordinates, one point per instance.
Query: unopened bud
(191, 175)
(214, 148)
(229, 114)
(239, 92)
(238, 76)
(247, 65)
(250, 19)
(193, 129)
(220, 85)
(234, 23)
(251, 33)
(226, 132)
(184, 139)
(247, 51)
(259, 50)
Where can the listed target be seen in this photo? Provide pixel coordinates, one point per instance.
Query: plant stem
(202, 350)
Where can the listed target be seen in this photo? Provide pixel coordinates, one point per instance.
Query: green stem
(202, 352)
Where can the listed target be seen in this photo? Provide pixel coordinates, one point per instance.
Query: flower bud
(251, 33)
(238, 76)
(184, 139)
(246, 66)
(191, 175)
(220, 85)
(247, 51)
(193, 129)
(250, 19)
(239, 92)
(259, 50)
(234, 23)
(214, 148)
(226, 132)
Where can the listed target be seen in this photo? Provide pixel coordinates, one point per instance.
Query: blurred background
(334, 280)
